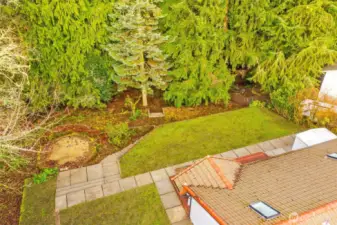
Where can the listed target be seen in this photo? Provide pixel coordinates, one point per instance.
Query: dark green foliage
(45, 175)
(196, 50)
(101, 75)
(61, 34)
(134, 46)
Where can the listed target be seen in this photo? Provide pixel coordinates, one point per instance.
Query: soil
(69, 149)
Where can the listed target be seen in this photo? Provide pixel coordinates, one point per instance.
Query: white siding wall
(199, 216)
(329, 85)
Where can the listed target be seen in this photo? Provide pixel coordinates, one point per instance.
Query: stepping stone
(164, 186)
(63, 179)
(254, 149)
(241, 152)
(266, 146)
(143, 179)
(229, 154)
(93, 193)
(278, 143)
(127, 183)
(95, 172)
(170, 171)
(111, 188)
(75, 198)
(176, 214)
(159, 175)
(279, 151)
(78, 175)
(170, 200)
(110, 169)
(61, 202)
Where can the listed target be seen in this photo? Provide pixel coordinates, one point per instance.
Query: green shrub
(45, 175)
(100, 75)
(257, 104)
(118, 134)
(282, 102)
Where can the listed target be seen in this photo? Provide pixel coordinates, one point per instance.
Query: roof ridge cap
(220, 173)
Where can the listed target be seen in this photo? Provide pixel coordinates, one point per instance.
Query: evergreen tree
(62, 34)
(199, 68)
(134, 46)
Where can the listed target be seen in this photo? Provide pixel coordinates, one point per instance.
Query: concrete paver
(63, 179)
(61, 202)
(176, 214)
(183, 222)
(143, 179)
(111, 188)
(278, 143)
(75, 198)
(241, 152)
(229, 154)
(279, 151)
(254, 149)
(170, 171)
(289, 140)
(159, 175)
(266, 146)
(170, 200)
(127, 183)
(78, 175)
(164, 186)
(93, 193)
(95, 172)
(110, 169)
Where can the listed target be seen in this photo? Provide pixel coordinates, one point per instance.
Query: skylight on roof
(264, 210)
(333, 155)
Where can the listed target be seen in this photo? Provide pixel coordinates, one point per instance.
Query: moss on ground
(38, 203)
(192, 139)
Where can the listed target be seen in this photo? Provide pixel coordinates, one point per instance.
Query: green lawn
(192, 139)
(140, 206)
(38, 203)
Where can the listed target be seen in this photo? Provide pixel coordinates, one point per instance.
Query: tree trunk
(226, 15)
(144, 96)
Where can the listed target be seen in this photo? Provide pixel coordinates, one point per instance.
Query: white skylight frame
(332, 155)
(264, 210)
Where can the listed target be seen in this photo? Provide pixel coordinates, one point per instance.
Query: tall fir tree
(135, 46)
(197, 30)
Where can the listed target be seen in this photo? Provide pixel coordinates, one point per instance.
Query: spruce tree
(135, 46)
(197, 30)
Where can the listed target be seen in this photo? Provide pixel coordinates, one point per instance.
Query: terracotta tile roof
(295, 182)
(211, 171)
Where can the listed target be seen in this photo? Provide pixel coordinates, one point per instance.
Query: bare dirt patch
(69, 149)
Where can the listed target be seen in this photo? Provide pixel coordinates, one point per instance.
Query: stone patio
(96, 181)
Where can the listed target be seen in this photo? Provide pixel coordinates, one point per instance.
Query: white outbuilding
(312, 137)
(329, 82)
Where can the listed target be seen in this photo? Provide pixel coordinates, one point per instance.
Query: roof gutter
(188, 190)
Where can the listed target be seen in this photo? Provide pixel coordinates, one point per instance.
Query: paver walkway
(92, 182)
